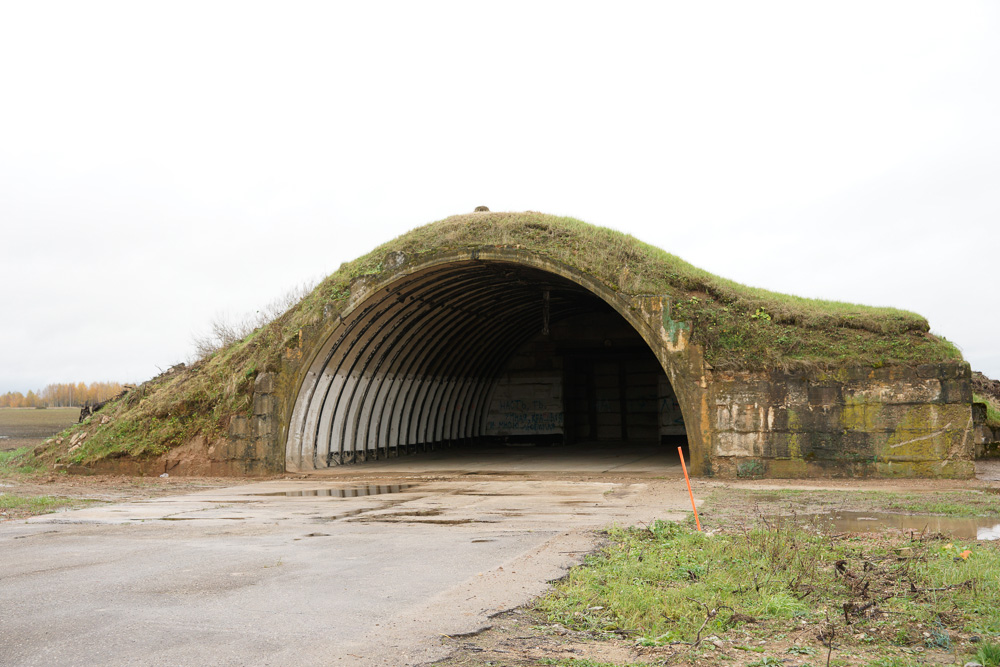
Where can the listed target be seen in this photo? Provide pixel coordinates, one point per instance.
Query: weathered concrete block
(956, 391)
(248, 449)
(796, 391)
(924, 418)
(808, 419)
(228, 449)
(263, 404)
(901, 446)
(239, 427)
(393, 260)
(918, 391)
(894, 374)
(979, 413)
(783, 446)
(947, 469)
(265, 427)
(822, 446)
(741, 417)
(264, 384)
(261, 449)
(825, 395)
(792, 468)
(742, 391)
(860, 416)
(929, 370)
(733, 443)
(949, 370)
(858, 446)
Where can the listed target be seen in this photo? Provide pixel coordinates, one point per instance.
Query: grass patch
(655, 583)
(988, 655)
(992, 409)
(583, 662)
(958, 503)
(18, 462)
(667, 583)
(34, 504)
(739, 327)
(21, 507)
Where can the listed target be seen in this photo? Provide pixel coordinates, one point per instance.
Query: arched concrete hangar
(496, 327)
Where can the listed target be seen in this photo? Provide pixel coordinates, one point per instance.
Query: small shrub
(750, 469)
(988, 655)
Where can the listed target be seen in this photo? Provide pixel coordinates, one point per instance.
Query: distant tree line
(62, 395)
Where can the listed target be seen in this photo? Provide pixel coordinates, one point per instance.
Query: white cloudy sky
(162, 163)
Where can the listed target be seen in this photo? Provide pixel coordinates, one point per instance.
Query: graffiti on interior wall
(518, 405)
(527, 403)
(671, 420)
(517, 423)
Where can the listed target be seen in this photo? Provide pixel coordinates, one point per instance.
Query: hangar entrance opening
(474, 355)
(591, 379)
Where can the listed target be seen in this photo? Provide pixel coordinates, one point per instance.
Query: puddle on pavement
(867, 522)
(508, 473)
(413, 520)
(203, 518)
(335, 517)
(430, 512)
(489, 495)
(354, 492)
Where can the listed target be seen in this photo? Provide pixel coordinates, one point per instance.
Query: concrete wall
(905, 422)
(671, 419)
(985, 439)
(528, 397)
(255, 436)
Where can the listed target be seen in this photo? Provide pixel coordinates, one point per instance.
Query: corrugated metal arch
(412, 363)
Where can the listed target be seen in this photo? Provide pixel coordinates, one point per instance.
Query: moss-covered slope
(738, 327)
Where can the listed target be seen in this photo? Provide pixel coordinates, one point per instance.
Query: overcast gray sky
(162, 163)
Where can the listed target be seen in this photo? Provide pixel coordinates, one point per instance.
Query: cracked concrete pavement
(365, 565)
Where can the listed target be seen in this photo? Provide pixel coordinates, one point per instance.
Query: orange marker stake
(687, 479)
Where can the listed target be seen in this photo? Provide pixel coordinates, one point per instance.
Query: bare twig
(709, 615)
(833, 633)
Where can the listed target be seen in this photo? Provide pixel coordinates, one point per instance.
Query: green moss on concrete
(923, 432)
(928, 469)
(738, 327)
(793, 468)
(859, 415)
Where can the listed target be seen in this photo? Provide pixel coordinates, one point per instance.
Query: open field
(27, 427)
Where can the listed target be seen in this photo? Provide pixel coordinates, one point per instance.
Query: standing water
(867, 522)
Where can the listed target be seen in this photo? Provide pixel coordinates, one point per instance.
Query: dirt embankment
(986, 387)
